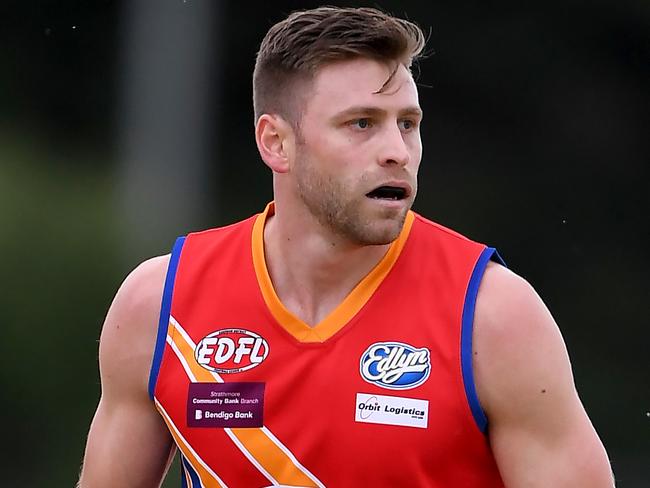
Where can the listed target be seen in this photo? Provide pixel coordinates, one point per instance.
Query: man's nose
(394, 149)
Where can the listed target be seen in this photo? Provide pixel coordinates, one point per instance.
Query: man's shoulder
(137, 301)
(129, 331)
(518, 348)
(505, 300)
(144, 284)
(507, 309)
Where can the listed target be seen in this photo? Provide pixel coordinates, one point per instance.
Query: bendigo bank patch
(232, 405)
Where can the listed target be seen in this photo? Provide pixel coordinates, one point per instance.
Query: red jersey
(380, 393)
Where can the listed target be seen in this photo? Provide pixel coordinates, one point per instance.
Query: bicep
(539, 432)
(128, 445)
(558, 448)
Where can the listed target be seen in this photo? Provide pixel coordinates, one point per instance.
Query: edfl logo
(231, 351)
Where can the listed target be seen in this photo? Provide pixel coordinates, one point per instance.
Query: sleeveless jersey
(380, 393)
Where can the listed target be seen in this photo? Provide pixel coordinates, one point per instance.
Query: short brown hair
(294, 49)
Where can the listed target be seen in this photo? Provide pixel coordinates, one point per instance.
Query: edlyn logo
(395, 365)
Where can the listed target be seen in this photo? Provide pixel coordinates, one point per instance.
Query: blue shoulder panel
(467, 327)
(165, 310)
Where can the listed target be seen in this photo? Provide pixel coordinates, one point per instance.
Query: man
(337, 339)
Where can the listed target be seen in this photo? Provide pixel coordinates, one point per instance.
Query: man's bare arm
(128, 443)
(538, 429)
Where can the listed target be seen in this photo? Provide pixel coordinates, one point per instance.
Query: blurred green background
(125, 124)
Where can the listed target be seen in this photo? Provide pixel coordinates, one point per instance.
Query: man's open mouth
(388, 193)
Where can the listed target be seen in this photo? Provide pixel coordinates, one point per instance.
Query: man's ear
(275, 142)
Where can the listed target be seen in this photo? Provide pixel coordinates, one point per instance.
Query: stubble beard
(329, 200)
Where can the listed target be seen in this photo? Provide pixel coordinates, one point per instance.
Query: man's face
(359, 150)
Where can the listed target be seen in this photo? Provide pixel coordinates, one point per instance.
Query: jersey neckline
(346, 310)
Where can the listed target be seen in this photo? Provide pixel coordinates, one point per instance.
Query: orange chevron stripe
(207, 479)
(272, 458)
(265, 451)
(201, 374)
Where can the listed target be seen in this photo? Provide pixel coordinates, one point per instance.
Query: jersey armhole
(467, 327)
(165, 310)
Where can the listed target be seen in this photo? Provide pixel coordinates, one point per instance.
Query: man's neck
(312, 272)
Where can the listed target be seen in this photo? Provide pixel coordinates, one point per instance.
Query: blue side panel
(194, 477)
(165, 310)
(467, 327)
(183, 474)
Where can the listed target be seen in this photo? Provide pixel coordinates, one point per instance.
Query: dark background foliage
(124, 124)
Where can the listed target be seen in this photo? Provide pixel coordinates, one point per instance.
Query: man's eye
(361, 123)
(407, 124)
